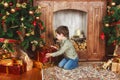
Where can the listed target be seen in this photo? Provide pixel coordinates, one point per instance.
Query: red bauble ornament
(17, 8)
(102, 36)
(42, 36)
(0, 14)
(10, 4)
(41, 27)
(34, 23)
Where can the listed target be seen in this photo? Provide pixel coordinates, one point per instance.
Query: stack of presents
(113, 64)
(10, 64)
(21, 64)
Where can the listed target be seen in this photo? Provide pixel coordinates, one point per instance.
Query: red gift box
(10, 67)
(41, 54)
(3, 69)
(16, 69)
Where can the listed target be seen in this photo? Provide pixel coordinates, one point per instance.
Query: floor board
(34, 74)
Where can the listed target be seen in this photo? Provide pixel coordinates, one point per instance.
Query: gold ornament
(39, 7)
(33, 47)
(18, 5)
(12, 10)
(27, 34)
(113, 3)
(22, 19)
(4, 17)
(108, 7)
(107, 25)
(118, 6)
(24, 5)
(37, 18)
(32, 33)
(31, 12)
(6, 4)
(7, 13)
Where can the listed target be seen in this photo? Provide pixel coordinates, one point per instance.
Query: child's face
(59, 36)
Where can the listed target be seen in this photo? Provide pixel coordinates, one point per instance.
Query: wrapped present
(12, 66)
(4, 54)
(38, 64)
(115, 65)
(3, 69)
(41, 61)
(16, 69)
(41, 54)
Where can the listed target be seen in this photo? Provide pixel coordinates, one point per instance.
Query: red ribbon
(115, 23)
(9, 40)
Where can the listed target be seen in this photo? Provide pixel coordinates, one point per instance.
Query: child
(70, 60)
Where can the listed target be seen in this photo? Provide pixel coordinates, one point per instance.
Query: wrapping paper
(10, 66)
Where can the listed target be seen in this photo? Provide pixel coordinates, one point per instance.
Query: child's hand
(48, 55)
(54, 47)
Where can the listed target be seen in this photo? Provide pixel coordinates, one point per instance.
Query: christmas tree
(111, 21)
(21, 24)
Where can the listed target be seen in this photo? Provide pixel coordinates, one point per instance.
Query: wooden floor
(34, 74)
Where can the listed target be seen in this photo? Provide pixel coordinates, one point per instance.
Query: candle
(78, 32)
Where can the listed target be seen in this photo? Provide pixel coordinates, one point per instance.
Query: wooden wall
(95, 10)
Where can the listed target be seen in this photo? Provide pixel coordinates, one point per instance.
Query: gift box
(41, 61)
(16, 69)
(41, 54)
(11, 66)
(115, 65)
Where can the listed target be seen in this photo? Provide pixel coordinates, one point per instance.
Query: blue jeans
(68, 64)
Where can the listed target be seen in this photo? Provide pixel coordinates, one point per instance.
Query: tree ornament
(22, 19)
(7, 13)
(23, 5)
(41, 27)
(12, 10)
(112, 12)
(33, 47)
(4, 17)
(109, 13)
(10, 4)
(108, 7)
(102, 36)
(107, 25)
(17, 8)
(31, 12)
(34, 43)
(32, 33)
(39, 7)
(113, 3)
(28, 34)
(18, 5)
(37, 18)
(118, 6)
(6, 4)
(34, 23)
(0, 14)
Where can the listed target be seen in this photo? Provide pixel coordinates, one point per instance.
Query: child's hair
(63, 30)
